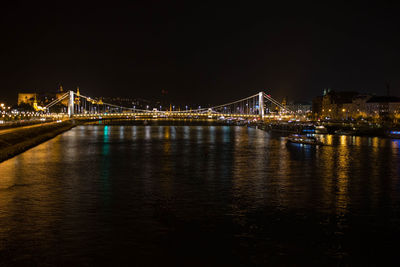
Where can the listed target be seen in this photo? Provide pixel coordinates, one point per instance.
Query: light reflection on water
(99, 190)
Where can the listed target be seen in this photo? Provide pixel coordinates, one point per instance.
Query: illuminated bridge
(258, 106)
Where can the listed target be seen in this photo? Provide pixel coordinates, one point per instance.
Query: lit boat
(321, 130)
(308, 130)
(345, 132)
(394, 134)
(303, 139)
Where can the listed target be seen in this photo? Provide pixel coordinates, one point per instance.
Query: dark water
(197, 196)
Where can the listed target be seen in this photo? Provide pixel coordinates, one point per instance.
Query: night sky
(199, 53)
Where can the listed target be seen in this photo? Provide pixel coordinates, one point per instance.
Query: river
(200, 195)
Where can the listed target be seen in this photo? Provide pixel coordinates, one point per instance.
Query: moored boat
(303, 139)
(308, 129)
(345, 132)
(320, 129)
(394, 134)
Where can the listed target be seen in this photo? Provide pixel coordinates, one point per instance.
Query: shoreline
(14, 143)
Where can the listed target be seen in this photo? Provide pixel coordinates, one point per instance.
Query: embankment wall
(20, 140)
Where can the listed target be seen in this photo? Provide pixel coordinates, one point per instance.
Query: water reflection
(105, 165)
(395, 144)
(147, 132)
(143, 187)
(343, 161)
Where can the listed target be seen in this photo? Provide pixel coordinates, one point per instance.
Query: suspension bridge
(257, 106)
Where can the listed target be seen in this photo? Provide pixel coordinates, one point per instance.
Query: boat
(320, 129)
(393, 134)
(345, 132)
(308, 130)
(303, 139)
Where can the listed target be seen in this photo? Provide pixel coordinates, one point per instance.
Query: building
(27, 98)
(357, 108)
(336, 104)
(383, 106)
(317, 106)
(37, 100)
(300, 107)
(351, 105)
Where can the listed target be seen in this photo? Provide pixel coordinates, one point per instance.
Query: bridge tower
(71, 104)
(261, 104)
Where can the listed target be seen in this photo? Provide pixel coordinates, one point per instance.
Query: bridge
(257, 106)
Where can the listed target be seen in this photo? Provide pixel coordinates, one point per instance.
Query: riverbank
(328, 128)
(22, 123)
(21, 139)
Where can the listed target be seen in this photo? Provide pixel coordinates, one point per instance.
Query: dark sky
(203, 53)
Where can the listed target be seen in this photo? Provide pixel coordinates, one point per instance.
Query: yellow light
(344, 110)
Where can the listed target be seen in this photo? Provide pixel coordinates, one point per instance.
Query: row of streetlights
(4, 107)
